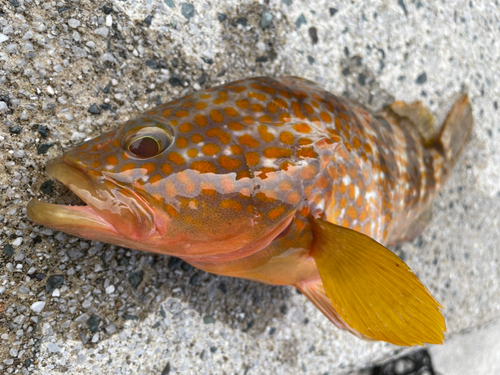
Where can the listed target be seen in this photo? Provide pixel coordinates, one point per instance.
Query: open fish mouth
(113, 213)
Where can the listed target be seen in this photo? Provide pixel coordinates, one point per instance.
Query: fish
(278, 181)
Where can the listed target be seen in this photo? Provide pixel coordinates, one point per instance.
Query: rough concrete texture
(70, 305)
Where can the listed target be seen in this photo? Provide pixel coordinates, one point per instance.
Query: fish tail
(455, 131)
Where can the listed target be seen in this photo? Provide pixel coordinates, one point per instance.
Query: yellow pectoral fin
(373, 290)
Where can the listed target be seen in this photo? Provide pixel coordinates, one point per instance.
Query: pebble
(8, 250)
(94, 109)
(73, 23)
(187, 10)
(44, 147)
(93, 323)
(23, 290)
(17, 242)
(46, 187)
(102, 31)
(53, 282)
(53, 348)
(110, 289)
(56, 293)
(136, 278)
(19, 256)
(3, 38)
(300, 21)
(169, 3)
(265, 20)
(37, 307)
(222, 17)
(75, 253)
(110, 329)
(208, 320)
(421, 79)
(3, 106)
(109, 20)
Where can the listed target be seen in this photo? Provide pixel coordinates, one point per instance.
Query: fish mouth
(113, 213)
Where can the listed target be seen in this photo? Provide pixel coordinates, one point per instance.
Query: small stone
(46, 187)
(310, 59)
(50, 90)
(175, 80)
(265, 20)
(23, 290)
(40, 276)
(272, 331)
(169, 3)
(147, 21)
(421, 79)
(109, 20)
(300, 21)
(136, 278)
(162, 312)
(53, 282)
(166, 370)
(19, 257)
(187, 10)
(11, 48)
(56, 293)
(110, 289)
(130, 317)
(213, 349)
(73, 23)
(3, 106)
(8, 250)
(13, 352)
(195, 279)
(332, 11)
(313, 33)
(16, 129)
(94, 109)
(44, 147)
(222, 17)
(82, 318)
(208, 320)
(107, 10)
(203, 79)
(17, 242)
(110, 329)
(287, 2)
(53, 348)
(28, 35)
(242, 21)
(3, 38)
(223, 288)
(261, 59)
(102, 31)
(75, 253)
(27, 363)
(93, 323)
(37, 307)
(152, 64)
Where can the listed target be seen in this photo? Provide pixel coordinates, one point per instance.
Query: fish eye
(145, 137)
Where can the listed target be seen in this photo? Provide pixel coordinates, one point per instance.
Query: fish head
(197, 177)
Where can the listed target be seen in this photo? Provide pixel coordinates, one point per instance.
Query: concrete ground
(70, 70)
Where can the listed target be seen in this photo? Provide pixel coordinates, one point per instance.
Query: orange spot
(192, 153)
(187, 104)
(257, 96)
(297, 111)
(299, 94)
(242, 103)
(343, 203)
(277, 152)
(128, 167)
(231, 204)
(112, 160)
(308, 172)
(280, 103)
(307, 152)
(200, 105)
(227, 184)
(248, 140)
(356, 143)
(182, 142)
(166, 112)
(314, 104)
(196, 138)
(364, 215)
(285, 117)
(286, 94)
(243, 174)
(272, 107)
(210, 149)
(285, 165)
(286, 138)
(170, 188)
(267, 196)
(367, 148)
(359, 201)
(325, 117)
(262, 172)
(229, 163)
(250, 209)
(216, 115)
(264, 134)
(176, 158)
(222, 98)
(205, 96)
(155, 179)
(230, 111)
(238, 89)
(115, 143)
(235, 126)
(174, 122)
(204, 166)
(201, 120)
(302, 128)
(293, 198)
(285, 185)
(308, 108)
(248, 120)
(96, 164)
(276, 212)
(353, 173)
(188, 184)
(219, 133)
(322, 182)
(351, 212)
(186, 127)
(166, 169)
(256, 107)
(265, 119)
(352, 191)
(236, 150)
(252, 158)
(181, 113)
(149, 167)
(244, 193)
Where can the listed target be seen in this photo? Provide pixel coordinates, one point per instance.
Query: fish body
(278, 181)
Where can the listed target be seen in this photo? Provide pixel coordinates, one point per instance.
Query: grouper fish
(279, 181)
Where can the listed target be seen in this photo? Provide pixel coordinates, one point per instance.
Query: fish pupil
(145, 147)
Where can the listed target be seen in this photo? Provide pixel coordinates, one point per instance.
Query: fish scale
(278, 181)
